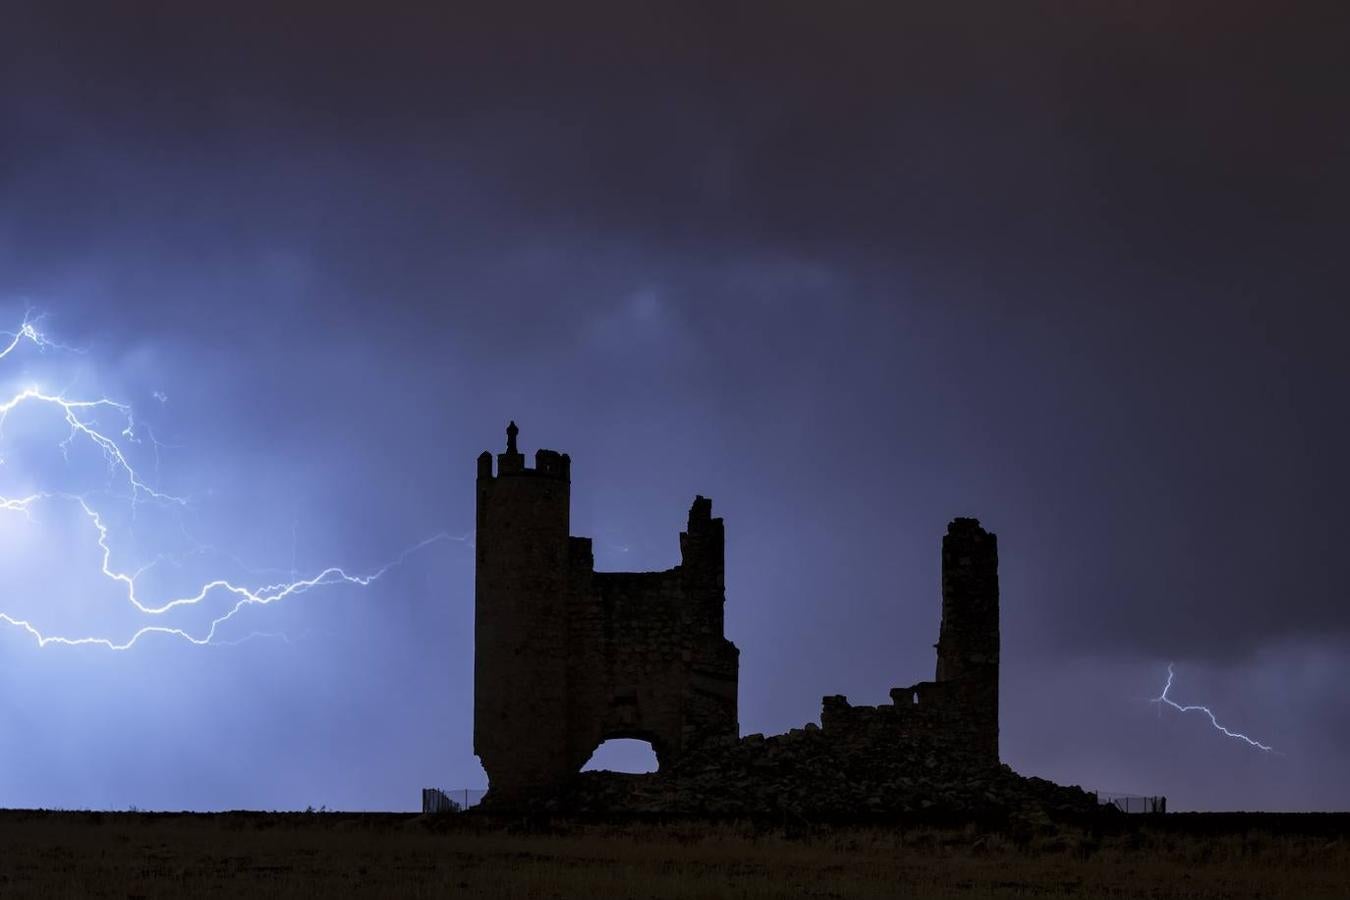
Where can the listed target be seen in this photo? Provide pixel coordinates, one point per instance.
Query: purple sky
(850, 272)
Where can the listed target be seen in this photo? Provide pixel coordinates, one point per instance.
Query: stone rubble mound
(804, 773)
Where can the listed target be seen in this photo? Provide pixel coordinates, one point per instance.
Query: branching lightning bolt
(1163, 698)
(28, 331)
(77, 414)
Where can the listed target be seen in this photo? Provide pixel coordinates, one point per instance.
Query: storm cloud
(849, 271)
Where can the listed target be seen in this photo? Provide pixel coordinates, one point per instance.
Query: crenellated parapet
(547, 463)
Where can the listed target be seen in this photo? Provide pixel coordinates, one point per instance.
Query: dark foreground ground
(127, 855)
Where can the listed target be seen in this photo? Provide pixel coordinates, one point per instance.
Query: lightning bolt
(1163, 698)
(28, 331)
(79, 418)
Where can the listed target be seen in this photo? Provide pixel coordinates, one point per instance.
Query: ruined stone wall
(933, 716)
(567, 657)
(932, 749)
(956, 715)
(659, 668)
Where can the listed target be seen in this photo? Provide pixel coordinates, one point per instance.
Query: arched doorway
(631, 755)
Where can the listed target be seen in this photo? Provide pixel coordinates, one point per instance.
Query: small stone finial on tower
(511, 432)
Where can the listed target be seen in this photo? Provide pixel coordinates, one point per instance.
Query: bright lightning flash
(83, 427)
(1163, 698)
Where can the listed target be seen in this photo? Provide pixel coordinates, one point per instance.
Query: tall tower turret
(520, 619)
(967, 648)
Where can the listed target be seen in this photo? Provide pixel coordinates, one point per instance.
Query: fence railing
(436, 800)
(1133, 803)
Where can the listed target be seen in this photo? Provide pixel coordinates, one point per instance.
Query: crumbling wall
(957, 714)
(932, 715)
(656, 665)
(932, 750)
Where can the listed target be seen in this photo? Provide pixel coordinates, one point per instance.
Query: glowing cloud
(78, 415)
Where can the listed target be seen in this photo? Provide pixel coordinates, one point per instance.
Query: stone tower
(967, 647)
(566, 657)
(520, 615)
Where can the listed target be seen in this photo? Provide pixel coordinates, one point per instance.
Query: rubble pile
(809, 774)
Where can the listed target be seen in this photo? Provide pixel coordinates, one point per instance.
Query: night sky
(849, 269)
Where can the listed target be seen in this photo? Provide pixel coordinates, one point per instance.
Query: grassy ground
(129, 855)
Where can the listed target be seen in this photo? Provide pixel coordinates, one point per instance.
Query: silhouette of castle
(566, 658)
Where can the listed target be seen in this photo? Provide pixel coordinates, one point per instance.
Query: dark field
(75, 854)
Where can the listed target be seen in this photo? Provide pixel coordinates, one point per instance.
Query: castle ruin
(567, 657)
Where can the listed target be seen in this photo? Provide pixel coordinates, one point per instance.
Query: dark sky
(850, 269)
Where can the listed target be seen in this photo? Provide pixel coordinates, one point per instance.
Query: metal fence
(436, 800)
(1133, 803)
